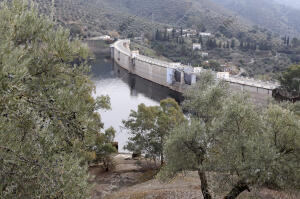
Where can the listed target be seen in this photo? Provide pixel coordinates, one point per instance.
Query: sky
(291, 3)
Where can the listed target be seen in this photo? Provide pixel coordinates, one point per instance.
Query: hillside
(132, 18)
(94, 17)
(276, 17)
(197, 14)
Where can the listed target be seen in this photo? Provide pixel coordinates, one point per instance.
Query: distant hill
(197, 14)
(229, 17)
(246, 23)
(94, 17)
(267, 13)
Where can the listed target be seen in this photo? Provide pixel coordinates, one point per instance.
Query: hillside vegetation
(202, 15)
(90, 18)
(93, 17)
(247, 23)
(276, 17)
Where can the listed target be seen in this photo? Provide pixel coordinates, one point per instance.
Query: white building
(197, 46)
(175, 64)
(191, 31)
(170, 29)
(205, 34)
(204, 54)
(223, 75)
(105, 37)
(198, 69)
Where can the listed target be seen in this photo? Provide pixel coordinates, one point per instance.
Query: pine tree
(241, 44)
(158, 35)
(173, 33)
(215, 43)
(200, 40)
(181, 31)
(284, 40)
(233, 43)
(248, 46)
(228, 45)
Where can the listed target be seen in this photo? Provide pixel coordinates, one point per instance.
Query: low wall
(174, 77)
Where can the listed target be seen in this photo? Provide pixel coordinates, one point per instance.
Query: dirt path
(127, 173)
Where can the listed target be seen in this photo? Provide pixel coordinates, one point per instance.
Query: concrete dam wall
(179, 77)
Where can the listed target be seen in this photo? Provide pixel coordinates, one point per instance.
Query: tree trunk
(237, 190)
(161, 159)
(204, 185)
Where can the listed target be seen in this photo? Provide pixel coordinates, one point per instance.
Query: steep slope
(266, 13)
(229, 17)
(94, 17)
(187, 13)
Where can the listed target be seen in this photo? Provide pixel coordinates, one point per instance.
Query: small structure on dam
(179, 77)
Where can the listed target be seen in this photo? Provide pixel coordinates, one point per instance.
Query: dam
(180, 77)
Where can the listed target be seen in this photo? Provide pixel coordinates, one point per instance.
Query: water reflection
(126, 91)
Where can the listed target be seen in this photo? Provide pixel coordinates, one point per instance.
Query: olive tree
(48, 118)
(296, 108)
(104, 148)
(149, 127)
(259, 147)
(290, 80)
(235, 139)
(188, 145)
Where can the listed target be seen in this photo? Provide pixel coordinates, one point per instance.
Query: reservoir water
(126, 91)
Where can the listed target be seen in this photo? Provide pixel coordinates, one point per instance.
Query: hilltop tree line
(241, 42)
(212, 43)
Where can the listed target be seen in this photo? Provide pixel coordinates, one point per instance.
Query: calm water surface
(126, 92)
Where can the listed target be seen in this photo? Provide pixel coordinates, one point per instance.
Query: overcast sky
(291, 3)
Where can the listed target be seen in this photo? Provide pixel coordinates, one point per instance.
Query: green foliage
(290, 80)
(283, 130)
(213, 65)
(296, 108)
(229, 135)
(48, 119)
(265, 13)
(206, 99)
(104, 148)
(149, 127)
(90, 18)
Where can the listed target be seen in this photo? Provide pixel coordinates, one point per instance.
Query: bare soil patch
(132, 179)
